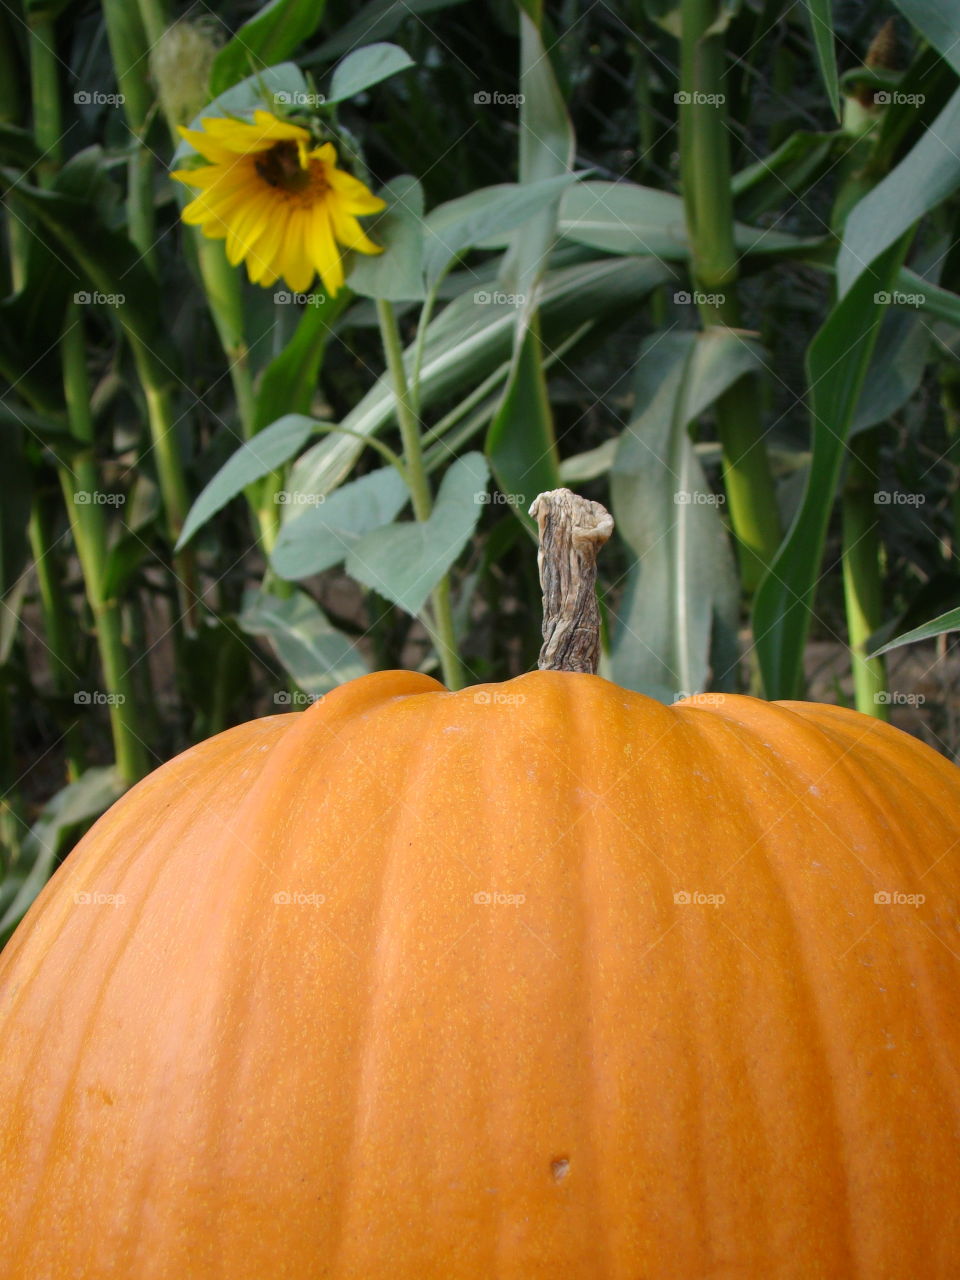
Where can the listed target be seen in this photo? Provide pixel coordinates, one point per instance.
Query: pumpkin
(539, 979)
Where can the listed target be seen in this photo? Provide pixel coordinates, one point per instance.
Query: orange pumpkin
(540, 979)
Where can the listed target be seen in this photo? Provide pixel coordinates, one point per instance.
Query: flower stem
(708, 199)
(442, 630)
(224, 292)
(90, 537)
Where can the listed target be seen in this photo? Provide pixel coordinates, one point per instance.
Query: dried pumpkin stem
(572, 531)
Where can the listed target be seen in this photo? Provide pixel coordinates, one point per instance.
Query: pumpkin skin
(403, 1081)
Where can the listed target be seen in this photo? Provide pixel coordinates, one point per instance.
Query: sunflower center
(280, 167)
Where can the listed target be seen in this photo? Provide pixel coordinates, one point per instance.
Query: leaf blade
(255, 458)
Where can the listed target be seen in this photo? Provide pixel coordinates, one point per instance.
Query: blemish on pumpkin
(559, 1167)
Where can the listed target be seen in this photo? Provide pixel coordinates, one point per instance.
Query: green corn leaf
(837, 363)
(949, 621)
(820, 13)
(682, 592)
(923, 179)
(265, 39)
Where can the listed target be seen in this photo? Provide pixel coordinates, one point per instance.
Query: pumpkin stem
(572, 531)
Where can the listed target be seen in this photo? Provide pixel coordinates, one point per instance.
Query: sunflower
(278, 200)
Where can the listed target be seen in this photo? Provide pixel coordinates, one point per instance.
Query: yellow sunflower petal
(219, 180)
(216, 209)
(244, 138)
(247, 227)
(322, 248)
(205, 146)
(264, 256)
(349, 232)
(298, 270)
(351, 194)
